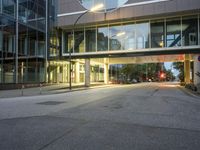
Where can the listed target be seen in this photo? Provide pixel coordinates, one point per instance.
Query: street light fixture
(93, 9)
(97, 7)
(120, 34)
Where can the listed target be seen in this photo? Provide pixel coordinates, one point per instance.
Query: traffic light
(162, 75)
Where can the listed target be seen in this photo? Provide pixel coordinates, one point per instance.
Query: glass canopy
(108, 5)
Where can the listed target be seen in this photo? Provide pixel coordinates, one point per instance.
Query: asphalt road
(148, 116)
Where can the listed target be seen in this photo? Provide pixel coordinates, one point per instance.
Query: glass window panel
(32, 42)
(142, 35)
(1, 71)
(90, 43)
(67, 42)
(199, 29)
(157, 33)
(9, 7)
(128, 39)
(102, 39)
(8, 71)
(70, 42)
(23, 40)
(41, 44)
(79, 41)
(173, 38)
(115, 38)
(190, 30)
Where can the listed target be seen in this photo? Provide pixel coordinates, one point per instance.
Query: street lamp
(93, 9)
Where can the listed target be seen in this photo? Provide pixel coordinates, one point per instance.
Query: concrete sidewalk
(45, 90)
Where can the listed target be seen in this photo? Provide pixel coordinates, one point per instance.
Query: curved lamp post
(93, 9)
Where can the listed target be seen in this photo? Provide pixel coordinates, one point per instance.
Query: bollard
(22, 90)
(40, 88)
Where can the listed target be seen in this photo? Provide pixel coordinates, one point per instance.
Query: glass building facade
(178, 31)
(24, 39)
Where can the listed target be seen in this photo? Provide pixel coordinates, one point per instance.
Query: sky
(168, 65)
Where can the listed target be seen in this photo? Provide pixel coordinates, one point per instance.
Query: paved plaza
(146, 116)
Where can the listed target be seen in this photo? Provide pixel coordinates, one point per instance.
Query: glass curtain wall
(9, 7)
(7, 50)
(90, 40)
(190, 30)
(79, 41)
(67, 42)
(31, 42)
(7, 41)
(142, 35)
(115, 37)
(166, 32)
(22, 45)
(173, 32)
(129, 39)
(157, 33)
(102, 39)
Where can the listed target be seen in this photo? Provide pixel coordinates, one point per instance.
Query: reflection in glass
(142, 35)
(90, 42)
(115, 38)
(102, 39)
(79, 41)
(129, 40)
(173, 32)
(9, 6)
(190, 30)
(54, 43)
(7, 50)
(157, 33)
(67, 42)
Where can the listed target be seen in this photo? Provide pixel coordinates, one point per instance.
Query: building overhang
(129, 12)
(135, 53)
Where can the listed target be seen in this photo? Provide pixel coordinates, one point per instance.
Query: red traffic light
(162, 75)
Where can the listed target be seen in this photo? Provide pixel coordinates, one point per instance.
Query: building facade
(135, 29)
(24, 28)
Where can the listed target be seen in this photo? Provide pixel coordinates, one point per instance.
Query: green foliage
(142, 71)
(180, 67)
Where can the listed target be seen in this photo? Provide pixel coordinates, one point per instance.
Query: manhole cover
(51, 103)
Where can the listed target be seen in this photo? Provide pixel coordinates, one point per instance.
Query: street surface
(146, 116)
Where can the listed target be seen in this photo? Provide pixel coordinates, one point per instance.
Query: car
(134, 81)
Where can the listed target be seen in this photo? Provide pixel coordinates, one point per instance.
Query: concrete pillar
(1, 62)
(106, 74)
(58, 73)
(22, 72)
(77, 73)
(196, 70)
(87, 72)
(187, 69)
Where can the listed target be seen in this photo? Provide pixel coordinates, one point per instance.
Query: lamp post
(93, 9)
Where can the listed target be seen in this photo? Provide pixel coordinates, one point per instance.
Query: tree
(180, 67)
(142, 72)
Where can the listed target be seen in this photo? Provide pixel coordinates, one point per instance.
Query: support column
(58, 74)
(16, 41)
(106, 74)
(1, 51)
(77, 74)
(87, 72)
(196, 70)
(187, 69)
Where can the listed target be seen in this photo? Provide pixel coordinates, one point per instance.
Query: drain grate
(51, 103)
